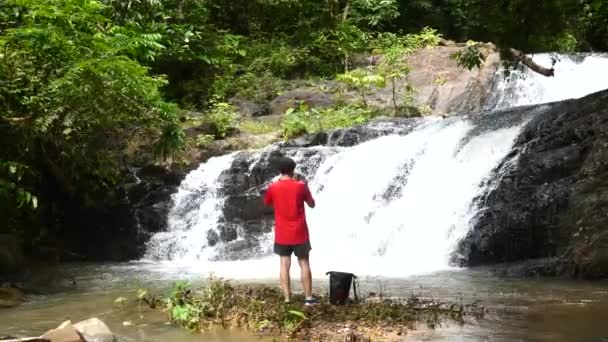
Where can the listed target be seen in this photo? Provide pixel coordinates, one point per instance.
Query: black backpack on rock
(339, 287)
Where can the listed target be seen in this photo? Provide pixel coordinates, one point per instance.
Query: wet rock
(248, 108)
(312, 97)
(95, 330)
(228, 232)
(309, 140)
(551, 197)
(63, 333)
(212, 237)
(10, 297)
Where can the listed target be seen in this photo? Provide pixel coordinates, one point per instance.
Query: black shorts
(300, 250)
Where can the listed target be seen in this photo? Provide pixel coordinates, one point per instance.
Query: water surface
(518, 309)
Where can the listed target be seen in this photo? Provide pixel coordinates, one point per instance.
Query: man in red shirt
(287, 196)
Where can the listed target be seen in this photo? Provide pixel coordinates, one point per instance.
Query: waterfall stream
(392, 206)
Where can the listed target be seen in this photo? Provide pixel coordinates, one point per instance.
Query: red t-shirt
(287, 196)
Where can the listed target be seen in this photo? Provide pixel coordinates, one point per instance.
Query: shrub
(223, 117)
(305, 120)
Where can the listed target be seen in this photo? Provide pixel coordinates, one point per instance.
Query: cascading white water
(575, 76)
(392, 206)
(393, 213)
(196, 210)
(401, 212)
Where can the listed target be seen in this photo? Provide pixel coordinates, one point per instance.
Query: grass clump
(305, 121)
(256, 127)
(261, 310)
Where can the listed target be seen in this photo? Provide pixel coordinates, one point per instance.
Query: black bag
(339, 287)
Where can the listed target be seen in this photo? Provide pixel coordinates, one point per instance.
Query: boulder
(551, 194)
(248, 108)
(63, 333)
(442, 85)
(94, 330)
(312, 97)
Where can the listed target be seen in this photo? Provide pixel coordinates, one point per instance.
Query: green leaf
(179, 313)
(297, 313)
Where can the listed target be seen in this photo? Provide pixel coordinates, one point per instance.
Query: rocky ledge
(549, 203)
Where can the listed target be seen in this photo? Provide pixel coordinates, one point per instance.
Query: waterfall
(575, 76)
(395, 205)
(195, 213)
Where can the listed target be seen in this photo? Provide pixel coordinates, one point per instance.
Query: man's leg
(285, 280)
(305, 275)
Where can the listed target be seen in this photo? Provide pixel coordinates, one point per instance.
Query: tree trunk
(346, 11)
(527, 61)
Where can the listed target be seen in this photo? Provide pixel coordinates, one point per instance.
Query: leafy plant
(263, 311)
(362, 80)
(222, 116)
(305, 120)
(469, 57)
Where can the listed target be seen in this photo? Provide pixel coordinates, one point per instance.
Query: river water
(402, 225)
(517, 309)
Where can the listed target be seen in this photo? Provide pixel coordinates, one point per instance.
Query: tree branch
(527, 61)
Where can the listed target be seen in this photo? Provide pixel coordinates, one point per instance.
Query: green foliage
(72, 90)
(469, 57)
(222, 116)
(262, 310)
(11, 176)
(305, 120)
(203, 140)
(256, 127)
(374, 13)
(362, 80)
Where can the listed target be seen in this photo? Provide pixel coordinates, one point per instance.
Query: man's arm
(308, 196)
(268, 197)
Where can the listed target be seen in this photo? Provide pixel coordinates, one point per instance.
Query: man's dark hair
(287, 166)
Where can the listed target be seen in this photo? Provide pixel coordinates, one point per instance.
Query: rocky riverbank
(549, 203)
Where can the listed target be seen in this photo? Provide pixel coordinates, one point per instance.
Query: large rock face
(551, 195)
(441, 87)
(117, 230)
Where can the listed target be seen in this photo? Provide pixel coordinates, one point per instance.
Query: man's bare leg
(305, 276)
(285, 279)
